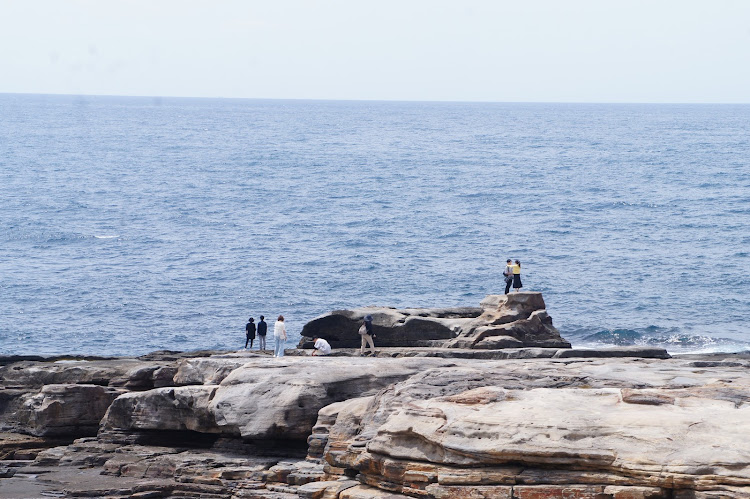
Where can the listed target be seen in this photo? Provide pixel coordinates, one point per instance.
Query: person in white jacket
(279, 332)
(322, 347)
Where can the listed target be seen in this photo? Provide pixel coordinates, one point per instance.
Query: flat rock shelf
(447, 421)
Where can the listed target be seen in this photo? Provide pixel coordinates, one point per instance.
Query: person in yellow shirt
(517, 276)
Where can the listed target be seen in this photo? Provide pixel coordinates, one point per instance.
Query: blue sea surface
(134, 224)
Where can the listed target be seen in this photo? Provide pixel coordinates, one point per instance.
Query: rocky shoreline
(455, 420)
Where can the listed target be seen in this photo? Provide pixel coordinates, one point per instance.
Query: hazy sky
(480, 50)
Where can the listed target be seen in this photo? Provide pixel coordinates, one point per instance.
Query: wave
(672, 339)
(51, 236)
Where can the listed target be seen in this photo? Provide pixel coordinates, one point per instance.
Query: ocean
(131, 224)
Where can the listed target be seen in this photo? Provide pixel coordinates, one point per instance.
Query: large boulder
(280, 398)
(510, 321)
(182, 408)
(502, 321)
(265, 398)
(65, 410)
(393, 328)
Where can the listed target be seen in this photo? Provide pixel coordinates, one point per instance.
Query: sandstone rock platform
(422, 422)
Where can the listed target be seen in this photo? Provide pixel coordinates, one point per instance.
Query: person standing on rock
(508, 274)
(250, 332)
(517, 276)
(279, 333)
(365, 331)
(262, 330)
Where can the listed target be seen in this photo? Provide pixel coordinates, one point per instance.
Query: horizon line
(426, 101)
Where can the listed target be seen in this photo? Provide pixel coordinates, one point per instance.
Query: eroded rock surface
(502, 321)
(66, 409)
(263, 398)
(643, 428)
(394, 328)
(424, 422)
(510, 321)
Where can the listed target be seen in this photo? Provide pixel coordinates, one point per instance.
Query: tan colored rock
(503, 309)
(37, 374)
(519, 316)
(327, 417)
(494, 341)
(503, 321)
(16, 444)
(366, 492)
(174, 408)
(469, 492)
(326, 489)
(71, 410)
(205, 370)
(620, 492)
(263, 398)
(281, 397)
(574, 428)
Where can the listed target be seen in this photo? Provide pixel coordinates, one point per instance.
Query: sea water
(134, 224)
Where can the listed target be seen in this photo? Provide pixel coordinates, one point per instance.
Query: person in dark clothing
(250, 332)
(262, 330)
(367, 334)
(508, 275)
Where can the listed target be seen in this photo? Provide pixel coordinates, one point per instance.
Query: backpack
(363, 329)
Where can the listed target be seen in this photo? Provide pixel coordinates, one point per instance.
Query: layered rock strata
(249, 426)
(584, 429)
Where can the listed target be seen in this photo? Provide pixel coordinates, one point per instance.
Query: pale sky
(462, 50)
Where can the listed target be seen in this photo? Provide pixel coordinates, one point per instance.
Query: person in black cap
(262, 330)
(250, 332)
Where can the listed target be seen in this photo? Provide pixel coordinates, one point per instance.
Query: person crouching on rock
(322, 347)
(365, 331)
(250, 332)
(279, 332)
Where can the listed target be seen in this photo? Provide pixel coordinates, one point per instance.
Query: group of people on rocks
(512, 274)
(321, 345)
(279, 334)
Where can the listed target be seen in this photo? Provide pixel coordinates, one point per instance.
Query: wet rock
(611, 352)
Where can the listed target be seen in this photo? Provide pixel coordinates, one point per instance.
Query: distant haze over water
(134, 224)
